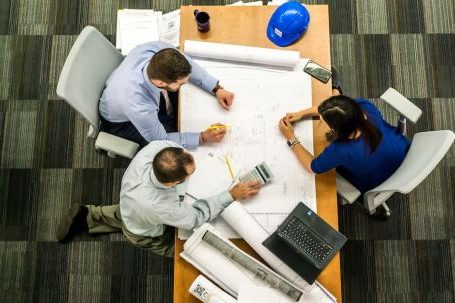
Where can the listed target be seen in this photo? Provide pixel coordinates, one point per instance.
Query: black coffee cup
(202, 20)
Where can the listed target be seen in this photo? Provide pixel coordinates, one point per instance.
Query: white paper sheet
(208, 292)
(211, 177)
(250, 293)
(170, 28)
(262, 96)
(138, 26)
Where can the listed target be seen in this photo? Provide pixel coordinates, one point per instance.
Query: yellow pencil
(213, 127)
(228, 162)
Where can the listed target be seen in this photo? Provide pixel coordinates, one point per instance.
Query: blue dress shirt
(353, 160)
(130, 96)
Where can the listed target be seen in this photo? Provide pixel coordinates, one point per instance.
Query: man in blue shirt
(140, 100)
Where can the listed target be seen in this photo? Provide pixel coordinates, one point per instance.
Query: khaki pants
(107, 219)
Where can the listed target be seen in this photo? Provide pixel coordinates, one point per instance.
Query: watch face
(289, 143)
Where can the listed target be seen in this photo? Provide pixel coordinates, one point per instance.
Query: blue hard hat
(289, 21)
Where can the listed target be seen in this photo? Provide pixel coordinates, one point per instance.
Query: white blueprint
(263, 95)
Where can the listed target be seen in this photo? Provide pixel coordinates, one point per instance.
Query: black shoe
(382, 213)
(336, 84)
(74, 222)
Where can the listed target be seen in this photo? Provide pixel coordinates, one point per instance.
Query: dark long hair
(344, 116)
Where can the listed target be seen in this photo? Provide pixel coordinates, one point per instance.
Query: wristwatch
(217, 87)
(291, 143)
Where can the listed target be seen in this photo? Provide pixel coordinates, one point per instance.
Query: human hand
(215, 133)
(244, 190)
(294, 117)
(225, 98)
(286, 128)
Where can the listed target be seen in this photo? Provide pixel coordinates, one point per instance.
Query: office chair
(426, 151)
(87, 67)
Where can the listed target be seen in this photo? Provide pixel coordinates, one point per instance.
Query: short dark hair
(344, 116)
(169, 164)
(168, 65)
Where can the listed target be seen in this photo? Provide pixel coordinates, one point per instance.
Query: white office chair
(426, 151)
(87, 67)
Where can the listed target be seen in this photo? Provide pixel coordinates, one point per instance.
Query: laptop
(305, 242)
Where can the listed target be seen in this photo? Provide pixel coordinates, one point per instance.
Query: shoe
(336, 84)
(382, 213)
(74, 222)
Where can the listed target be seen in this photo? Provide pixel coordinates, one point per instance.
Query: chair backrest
(87, 67)
(426, 151)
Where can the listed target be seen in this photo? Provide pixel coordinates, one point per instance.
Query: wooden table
(247, 26)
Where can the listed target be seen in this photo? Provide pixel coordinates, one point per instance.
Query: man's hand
(286, 128)
(213, 135)
(294, 117)
(225, 98)
(245, 190)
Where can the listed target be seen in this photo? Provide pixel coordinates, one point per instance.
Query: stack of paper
(138, 26)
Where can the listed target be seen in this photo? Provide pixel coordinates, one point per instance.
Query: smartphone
(319, 72)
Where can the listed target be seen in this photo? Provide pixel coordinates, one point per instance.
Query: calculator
(260, 172)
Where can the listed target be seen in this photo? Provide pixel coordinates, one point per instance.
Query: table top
(246, 25)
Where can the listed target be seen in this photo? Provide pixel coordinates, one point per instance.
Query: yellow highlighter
(214, 127)
(228, 162)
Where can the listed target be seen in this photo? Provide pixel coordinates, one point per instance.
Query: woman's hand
(294, 117)
(286, 128)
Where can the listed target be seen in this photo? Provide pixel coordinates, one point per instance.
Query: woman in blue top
(363, 148)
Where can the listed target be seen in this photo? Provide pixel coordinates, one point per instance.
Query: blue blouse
(353, 160)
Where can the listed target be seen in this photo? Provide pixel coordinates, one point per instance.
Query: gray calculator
(260, 172)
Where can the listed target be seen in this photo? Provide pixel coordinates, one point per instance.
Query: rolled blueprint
(208, 292)
(226, 273)
(254, 234)
(261, 272)
(213, 263)
(240, 53)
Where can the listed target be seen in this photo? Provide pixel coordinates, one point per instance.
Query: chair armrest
(116, 145)
(346, 190)
(402, 105)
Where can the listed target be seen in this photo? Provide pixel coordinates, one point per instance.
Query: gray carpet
(47, 163)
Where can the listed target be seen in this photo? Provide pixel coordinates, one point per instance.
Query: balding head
(172, 164)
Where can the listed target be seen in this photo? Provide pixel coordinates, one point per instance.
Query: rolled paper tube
(261, 272)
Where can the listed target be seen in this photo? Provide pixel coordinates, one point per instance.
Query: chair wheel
(382, 213)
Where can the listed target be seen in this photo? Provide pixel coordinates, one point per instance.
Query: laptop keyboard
(302, 238)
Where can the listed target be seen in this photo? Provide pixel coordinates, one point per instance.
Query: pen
(228, 162)
(213, 127)
(191, 196)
